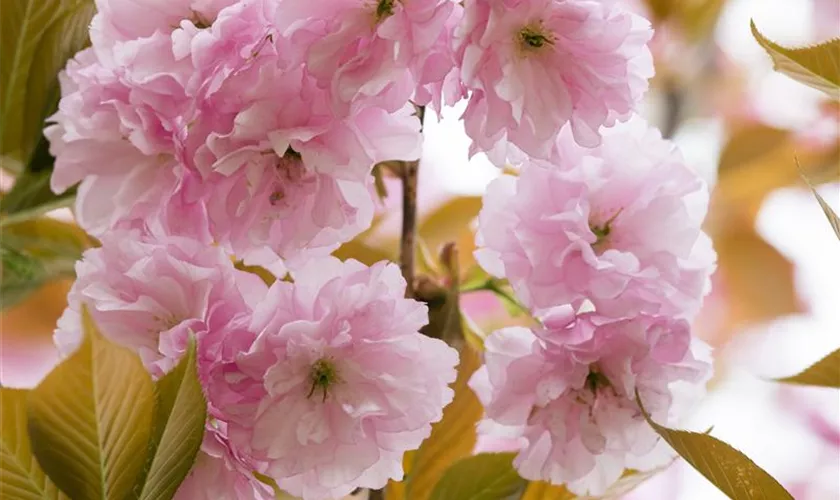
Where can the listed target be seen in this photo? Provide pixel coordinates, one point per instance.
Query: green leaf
(823, 373)
(177, 430)
(90, 419)
(487, 476)
(36, 251)
(31, 197)
(727, 468)
(22, 275)
(20, 476)
(38, 36)
(817, 66)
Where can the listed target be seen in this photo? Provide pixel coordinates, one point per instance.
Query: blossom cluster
(204, 133)
(605, 247)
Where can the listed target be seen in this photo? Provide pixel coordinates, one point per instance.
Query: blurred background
(774, 307)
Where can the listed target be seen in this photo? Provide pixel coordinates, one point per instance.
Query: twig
(408, 174)
(674, 100)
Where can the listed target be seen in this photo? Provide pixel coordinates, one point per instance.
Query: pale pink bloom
(570, 389)
(151, 293)
(339, 382)
(127, 20)
(213, 477)
(534, 65)
(278, 204)
(278, 168)
(115, 137)
(617, 226)
(375, 51)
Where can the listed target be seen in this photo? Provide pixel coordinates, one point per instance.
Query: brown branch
(408, 174)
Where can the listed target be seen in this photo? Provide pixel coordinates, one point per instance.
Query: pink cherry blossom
(277, 166)
(151, 293)
(127, 20)
(221, 134)
(374, 51)
(534, 65)
(113, 137)
(339, 382)
(618, 226)
(569, 390)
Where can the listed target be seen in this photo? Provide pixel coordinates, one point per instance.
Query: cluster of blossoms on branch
(204, 132)
(605, 246)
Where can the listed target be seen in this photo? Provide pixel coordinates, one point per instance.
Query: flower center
(323, 375)
(289, 170)
(534, 37)
(384, 10)
(602, 231)
(596, 380)
(199, 21)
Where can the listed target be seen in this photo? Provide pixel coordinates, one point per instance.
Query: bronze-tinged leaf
(817, 66)
(90, 419)
(629, 480)
(826, 208)
(755, 161)
(178, 429)
(363, 252)
(21, 478)
(452, 438)
(487, 476)
(747, 144)
(823, 373)
(540, 490)
(449, 221)
(727, 468)
(757, 279)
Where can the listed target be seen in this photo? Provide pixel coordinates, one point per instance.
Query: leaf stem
(496, 286)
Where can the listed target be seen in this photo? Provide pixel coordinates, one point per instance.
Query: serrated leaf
(823, 373)
(90, 419)
(727, 468)
(817, 66)
(487, 476)
(21, 477)
(452, 438)
(38, 36)
(178, 428)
